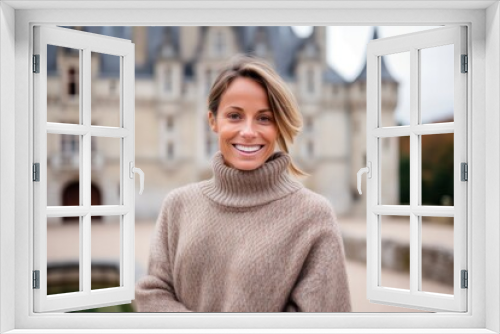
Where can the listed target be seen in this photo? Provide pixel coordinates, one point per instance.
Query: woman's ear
(212, 122)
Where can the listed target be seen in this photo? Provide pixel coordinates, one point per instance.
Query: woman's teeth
(248, 148)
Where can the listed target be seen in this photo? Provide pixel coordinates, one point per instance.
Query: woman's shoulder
(315, 206)
(313, 199)
(181, 194)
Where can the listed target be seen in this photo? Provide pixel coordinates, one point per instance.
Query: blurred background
(325, 67)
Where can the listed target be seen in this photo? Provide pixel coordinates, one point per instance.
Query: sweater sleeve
(322, 285)
(155, 291)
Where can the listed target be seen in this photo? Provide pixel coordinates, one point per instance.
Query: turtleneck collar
(238, 188)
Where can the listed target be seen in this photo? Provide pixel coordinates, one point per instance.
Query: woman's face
(245, 124)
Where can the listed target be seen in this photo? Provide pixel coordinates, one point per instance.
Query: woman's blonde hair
(280, 98)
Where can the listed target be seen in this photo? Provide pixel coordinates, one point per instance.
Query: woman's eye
(233, 116)
(265, 119)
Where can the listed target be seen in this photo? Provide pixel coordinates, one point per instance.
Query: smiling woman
(251, 239)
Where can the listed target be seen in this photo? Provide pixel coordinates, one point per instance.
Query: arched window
(168, 80)
(170, 123)
(170, 150)
(72, 87)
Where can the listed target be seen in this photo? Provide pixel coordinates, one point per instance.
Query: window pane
(63, 85)
(437, 254)
(63, 170)
(105, 171)
(106, 88)
(105, 245)
(63, 255)
(392, 94)
(437, 84)
(395, 251)
(395, 170)
(437, 169)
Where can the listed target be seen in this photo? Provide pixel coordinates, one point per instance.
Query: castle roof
(385, 74)
(284, 47)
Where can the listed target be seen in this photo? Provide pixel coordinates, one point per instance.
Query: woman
(251, 239)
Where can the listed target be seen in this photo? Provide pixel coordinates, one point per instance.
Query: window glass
(394, 252)
(63, 170)
(63, 85)
(437, 254)
(105, 89)
(106, 162)
(63, 255)
(395, 170)
(395, 93)
(105, 246)
(437, 169)
(436, 74)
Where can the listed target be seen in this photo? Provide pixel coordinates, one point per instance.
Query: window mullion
(85, 242)
(414, 170)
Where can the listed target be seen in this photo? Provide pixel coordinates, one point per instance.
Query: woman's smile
(245, 149)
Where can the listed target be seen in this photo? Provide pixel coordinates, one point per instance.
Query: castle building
(175, 68)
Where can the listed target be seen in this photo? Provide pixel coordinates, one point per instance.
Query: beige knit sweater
(245, 241)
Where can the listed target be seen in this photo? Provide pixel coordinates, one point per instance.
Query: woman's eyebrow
(241, 109)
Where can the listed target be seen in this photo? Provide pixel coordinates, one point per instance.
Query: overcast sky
(346, 54)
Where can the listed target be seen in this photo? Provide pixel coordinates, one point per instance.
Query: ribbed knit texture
(245, 241)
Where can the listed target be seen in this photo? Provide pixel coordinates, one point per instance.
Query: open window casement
(75, 141)
(416, 46)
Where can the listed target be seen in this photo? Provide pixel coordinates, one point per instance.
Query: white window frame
(377, 211)
(86, 43)
(483, 21)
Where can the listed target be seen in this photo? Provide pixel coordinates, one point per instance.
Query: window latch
(133, 170)
(367, 170)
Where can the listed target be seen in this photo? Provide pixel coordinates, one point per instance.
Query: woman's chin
(245, 165)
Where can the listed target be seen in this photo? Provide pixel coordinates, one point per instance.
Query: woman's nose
(248, 130)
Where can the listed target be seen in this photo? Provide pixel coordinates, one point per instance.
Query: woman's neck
(240, 188)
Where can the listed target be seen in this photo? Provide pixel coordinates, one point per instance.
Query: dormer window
(220, 44)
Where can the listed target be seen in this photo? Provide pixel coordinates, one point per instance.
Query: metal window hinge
(465, 279)
(464, 171)
(465, 64)
(36, 172)
(36, 279)
(36, 63)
